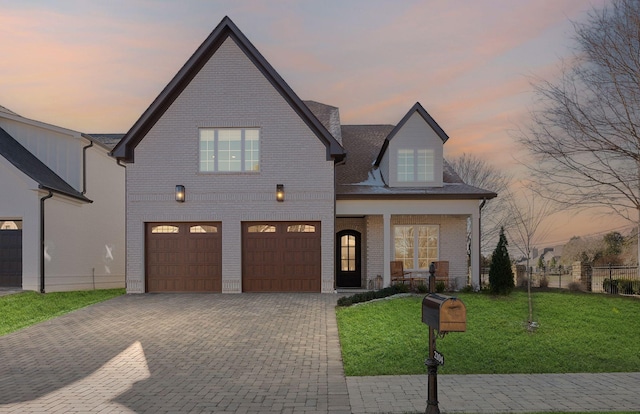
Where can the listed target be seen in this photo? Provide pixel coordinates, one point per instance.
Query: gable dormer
(412, 154)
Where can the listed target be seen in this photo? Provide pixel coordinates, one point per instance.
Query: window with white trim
(416, 165)
(416, 245)
(229, 149)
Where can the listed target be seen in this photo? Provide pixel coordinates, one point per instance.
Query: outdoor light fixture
(180, 193)
(280, 192)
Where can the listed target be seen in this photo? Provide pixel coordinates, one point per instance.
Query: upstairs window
(229, 150)
(416, 165)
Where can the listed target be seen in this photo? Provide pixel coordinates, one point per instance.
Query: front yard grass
(577, 332)
(20, 310)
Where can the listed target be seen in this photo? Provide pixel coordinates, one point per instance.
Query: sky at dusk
(95, 66)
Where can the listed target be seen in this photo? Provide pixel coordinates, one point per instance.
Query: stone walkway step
(521, 393)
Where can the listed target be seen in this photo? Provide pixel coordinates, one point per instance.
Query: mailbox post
(431, 363)
(443, 314)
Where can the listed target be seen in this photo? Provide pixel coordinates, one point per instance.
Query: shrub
(544, 282)
(422, 288)
(373, 294)
(500, 272)
(440, 287)
(467, 289)
(610, 285)
(628, 286)
(576, 287)
(621, 286)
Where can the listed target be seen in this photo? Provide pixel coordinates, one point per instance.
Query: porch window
(416, 245)
(229, 150)
(416, 165)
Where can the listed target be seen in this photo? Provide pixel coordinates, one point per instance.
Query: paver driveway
(249, 353)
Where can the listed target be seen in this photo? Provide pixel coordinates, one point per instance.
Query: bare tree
(479, 173)
(584, 137)
(529, 226)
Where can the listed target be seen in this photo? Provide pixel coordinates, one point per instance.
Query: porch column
(386, 255)
(475, 249)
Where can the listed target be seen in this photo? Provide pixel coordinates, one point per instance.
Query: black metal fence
(621, 280)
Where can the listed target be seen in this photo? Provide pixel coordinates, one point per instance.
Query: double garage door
(276, 257)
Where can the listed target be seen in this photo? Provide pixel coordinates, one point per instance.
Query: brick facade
(229, 91)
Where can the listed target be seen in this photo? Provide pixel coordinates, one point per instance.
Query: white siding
(20, 202)
(229, 91)
(61, 152)
(414, 134)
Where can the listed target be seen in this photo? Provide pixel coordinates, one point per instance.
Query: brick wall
(452, 243)
(229, 91)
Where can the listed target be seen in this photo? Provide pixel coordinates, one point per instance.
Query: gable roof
(31, 166)
(360, 179)
(124, 150)
(427, 118)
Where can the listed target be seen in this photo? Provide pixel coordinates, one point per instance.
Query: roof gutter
(42, 200)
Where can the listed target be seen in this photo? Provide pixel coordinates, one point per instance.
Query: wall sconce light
(280, 192)
(180, 193)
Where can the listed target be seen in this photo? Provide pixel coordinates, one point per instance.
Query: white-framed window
(416, 245)
(416, 165)
(229, 149)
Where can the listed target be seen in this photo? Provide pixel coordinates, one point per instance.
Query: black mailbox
(444, 313)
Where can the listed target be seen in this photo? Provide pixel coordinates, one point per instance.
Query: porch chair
(398, 275)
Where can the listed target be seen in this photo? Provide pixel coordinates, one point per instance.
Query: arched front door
(348, 269)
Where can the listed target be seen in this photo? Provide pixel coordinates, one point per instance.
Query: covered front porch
(370, 234)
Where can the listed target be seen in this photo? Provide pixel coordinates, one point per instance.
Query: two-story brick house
(234, 184)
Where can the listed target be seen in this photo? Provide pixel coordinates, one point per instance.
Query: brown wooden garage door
(281, 257)
(184, 257)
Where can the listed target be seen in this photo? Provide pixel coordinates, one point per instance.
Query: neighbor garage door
(10, 254)
(183, 257)
(281, 257)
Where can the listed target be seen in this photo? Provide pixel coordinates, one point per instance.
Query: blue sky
(96, 66)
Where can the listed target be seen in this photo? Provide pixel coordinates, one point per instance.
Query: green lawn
(577, 333)
(27, 308)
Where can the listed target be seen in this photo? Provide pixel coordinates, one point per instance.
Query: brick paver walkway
(249, 353)
(498, 393)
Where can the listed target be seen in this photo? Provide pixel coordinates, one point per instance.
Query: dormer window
(416, 165)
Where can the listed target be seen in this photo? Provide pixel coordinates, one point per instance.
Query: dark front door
(348, 272)
(10, 254)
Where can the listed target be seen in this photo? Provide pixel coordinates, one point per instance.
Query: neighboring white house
(234, 184)
(61, 209)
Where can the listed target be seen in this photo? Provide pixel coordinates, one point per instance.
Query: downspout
(126, 256)
(84, 167)
(42, 200)
(484, 201)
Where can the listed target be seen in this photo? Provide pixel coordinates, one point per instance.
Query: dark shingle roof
(329, 117)
(30, 165)
(109, 141)
(359, 178)
(362, 143)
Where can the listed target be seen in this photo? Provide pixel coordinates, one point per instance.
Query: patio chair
(398, 275)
